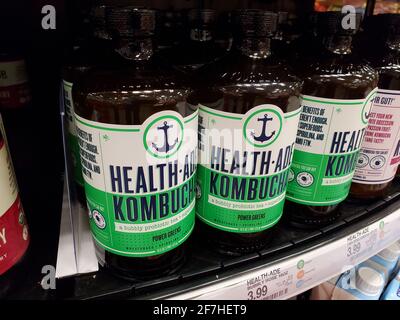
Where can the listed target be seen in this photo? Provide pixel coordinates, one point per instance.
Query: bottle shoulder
(339, 66)
(389, 63)
(389, 71)
(246, 74)
(341, 77)
(237, 84)
(133, 76)
(85, 57)
(130, 92)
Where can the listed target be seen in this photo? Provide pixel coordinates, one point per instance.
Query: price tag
(277, 282)
(270, 285)
(361, 243)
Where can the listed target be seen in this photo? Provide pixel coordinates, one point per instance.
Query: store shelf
(294, 262)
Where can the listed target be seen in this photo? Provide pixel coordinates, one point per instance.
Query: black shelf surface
(204, 266)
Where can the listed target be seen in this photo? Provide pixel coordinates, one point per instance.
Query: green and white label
(140, 182)
(328, 140)
(243, 170)
(71, 133)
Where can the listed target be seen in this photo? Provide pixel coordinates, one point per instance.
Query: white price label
(270, 285)
(277, 282)
(361, 243)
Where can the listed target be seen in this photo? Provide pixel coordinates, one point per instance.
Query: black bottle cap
(255, 23)
(336, 22)
(126, 22)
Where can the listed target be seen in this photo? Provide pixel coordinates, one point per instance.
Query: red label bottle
(14, 236)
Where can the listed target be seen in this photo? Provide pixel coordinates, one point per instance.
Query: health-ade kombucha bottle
(14, 235)
(380, 152)
(95, 51)
(336, 99)
(248, 116)
(138, 141)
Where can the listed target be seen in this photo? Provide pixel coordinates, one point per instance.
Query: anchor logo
(263, 136)
(163, 135)
(166, 147)
(262, 125)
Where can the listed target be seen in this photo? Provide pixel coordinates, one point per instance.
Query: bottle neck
(201, 34)
(338, 44)
(135, 49)
(254, 48)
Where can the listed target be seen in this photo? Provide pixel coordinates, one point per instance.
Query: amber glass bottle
(248, 116)
(138, 143)
(96, 50)
(380, 152)
(336, 98)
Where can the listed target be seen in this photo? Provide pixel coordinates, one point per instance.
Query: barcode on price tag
(277, 294)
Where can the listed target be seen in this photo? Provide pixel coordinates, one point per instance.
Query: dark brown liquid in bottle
(127, 94)
(389, 78)
(240, 83)
(337, 75)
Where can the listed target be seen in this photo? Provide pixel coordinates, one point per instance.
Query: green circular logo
(263, 126)
(369, 100)
(163, 136)
(300, 264)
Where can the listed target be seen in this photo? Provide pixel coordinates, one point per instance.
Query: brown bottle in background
(92, 51)
(15, 92)
(336, 97)
(138, 141)
(380, 153)
(253, 97)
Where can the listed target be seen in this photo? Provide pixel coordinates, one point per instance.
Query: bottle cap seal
(369, 281)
